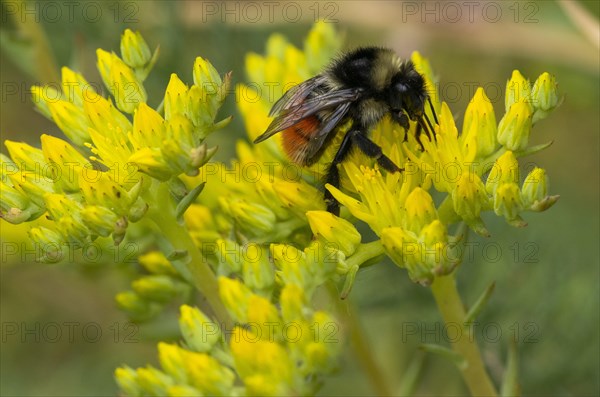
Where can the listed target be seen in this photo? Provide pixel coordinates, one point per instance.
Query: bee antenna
(432, 111)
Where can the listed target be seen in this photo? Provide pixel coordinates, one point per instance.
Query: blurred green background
(547, 275)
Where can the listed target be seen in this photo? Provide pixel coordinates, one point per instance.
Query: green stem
(365, 252)
(203, 277)
(453, 312)
(360, 343)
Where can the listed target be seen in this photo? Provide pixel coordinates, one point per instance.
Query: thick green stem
(203, 277)
(453, 312)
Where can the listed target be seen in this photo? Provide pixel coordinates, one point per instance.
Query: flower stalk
(453, 312)
(203, 277)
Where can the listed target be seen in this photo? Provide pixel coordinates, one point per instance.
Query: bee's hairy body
(361, 86)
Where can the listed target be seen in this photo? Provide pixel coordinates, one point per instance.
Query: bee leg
(373, 150)
(418, 132)
(333, 174)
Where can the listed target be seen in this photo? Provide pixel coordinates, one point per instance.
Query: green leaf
(533, 149)
(349, 281)
(450, 354)
(409, 381)
(510, 383)
(187, 200)
(479, 304)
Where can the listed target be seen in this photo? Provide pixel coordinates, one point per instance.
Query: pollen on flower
(369, 173)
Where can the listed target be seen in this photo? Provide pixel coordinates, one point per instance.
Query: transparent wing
(295, 95)
(288, 116)
(328, 124)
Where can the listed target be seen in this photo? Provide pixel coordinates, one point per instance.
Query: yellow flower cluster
(257, 241)
(278, 344)
(95, 186)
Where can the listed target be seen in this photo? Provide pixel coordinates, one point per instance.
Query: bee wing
(328, 123)
(295, 95)
(308, 107)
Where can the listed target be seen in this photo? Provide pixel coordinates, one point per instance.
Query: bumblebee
(363, 86)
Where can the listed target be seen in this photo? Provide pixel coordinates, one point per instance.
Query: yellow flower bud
(103, 190)
(43, 96)
(71, 120)
(253, 217)
(269, 359)
(505, 170)
(180, 140)
(518, 89)
(334, 230)
(148, 128)
(26, 157)
(438, 256)
(236, 297)
(175, 97)
(75, 87)
(469, 199)
(515, 126)
(420, 210)
(206, 76)
(50, 241)
(34, 187)
(127, 380)
(480, 124)
(256, 269)
(157, 287)
(208, 375)
(65, 162)
(156, 262)
(292, 264)
(544, 96)
(229, 256)
(100, 220)
(183, 391)
(263, 315)
(134, 50)
(150, 161)
(535, 187)
(292, 301)
(534, 192)
(16, 206)
(200, 111)
(136, 307)
(396, 241)
(507, 201)
(172, 361)
(407, 252)
(199, 332)
(121, 81)
(153, 382)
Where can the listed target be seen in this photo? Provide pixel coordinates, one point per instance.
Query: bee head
(407, 93)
